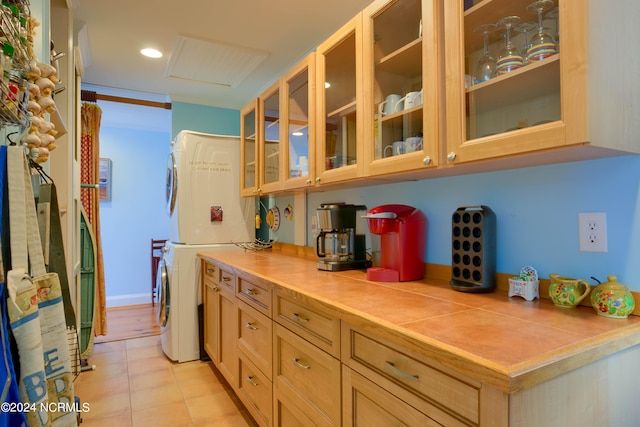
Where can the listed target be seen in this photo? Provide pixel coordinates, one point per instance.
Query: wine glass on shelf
(542, 44)
(525, 28)
(510, 58)
(553, 15)
(486, 67)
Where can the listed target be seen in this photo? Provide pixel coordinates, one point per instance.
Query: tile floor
(135, 385)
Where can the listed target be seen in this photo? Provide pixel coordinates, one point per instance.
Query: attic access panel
(212, 62)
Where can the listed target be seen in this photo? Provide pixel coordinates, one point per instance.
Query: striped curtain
(91, 115)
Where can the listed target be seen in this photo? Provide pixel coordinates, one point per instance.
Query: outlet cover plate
(592, 231)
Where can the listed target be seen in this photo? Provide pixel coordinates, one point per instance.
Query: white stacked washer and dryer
(206, 213)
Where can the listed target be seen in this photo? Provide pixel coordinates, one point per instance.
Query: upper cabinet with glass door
(270, 146)
(298, 118)
(340, 98)
(249, 131)
(526, 75)
(505, 84)
(401, 57)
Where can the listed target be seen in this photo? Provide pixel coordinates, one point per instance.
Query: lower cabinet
(255, 390)
(310, 377)
(365, 404)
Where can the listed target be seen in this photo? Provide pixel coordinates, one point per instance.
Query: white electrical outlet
(592, 231)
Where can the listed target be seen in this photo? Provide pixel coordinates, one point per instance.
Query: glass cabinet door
(249, 149)
(270, 140)
(339, 88)
(402, 75)
(298, 87)
(505, 92)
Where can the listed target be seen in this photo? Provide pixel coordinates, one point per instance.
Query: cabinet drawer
(308, 375)
(255, 391)
(209, 271)
(255, 338)
(226, 279)
(366, 404)
(321, 329)
(255, 292)
(436, 392)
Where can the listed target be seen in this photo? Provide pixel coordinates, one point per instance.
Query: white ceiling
(286, 30)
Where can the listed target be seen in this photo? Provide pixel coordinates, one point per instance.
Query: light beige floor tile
(174, 415)
(118, 420)
(104, 372)
(107, 357)
(200, 386)
(215, 406)
(109, 346)
(139, 381)
(155, 397)
(96, 390)
(135, 353)
(143, 342)
(109, 406)
(151, 364)
(193, 369)
(235, 420)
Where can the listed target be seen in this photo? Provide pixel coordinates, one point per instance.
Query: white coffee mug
(410, 100)
(414, 143)
(388, 106)
(396, 149)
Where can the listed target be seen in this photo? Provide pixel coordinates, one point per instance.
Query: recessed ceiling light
(151, 53)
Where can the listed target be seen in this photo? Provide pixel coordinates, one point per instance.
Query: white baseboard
(133, 299)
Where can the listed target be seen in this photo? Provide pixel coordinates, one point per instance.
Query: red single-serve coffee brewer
(403, 235)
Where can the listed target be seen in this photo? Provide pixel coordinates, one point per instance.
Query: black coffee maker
(341, 242)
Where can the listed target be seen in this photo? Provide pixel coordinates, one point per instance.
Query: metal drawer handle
(215, 289)
(297, 362)
(251, 292)
(298, 318)
(210, 270)
(226, 279)
(249, 325)
(391, 368)
(251, 381)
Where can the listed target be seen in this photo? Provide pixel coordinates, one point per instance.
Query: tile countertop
(509, 343)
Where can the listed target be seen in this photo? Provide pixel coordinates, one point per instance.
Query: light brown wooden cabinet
(249, 153)
(573, 105)
(402, 85)
(298, 120)
(340, 98)
(567, 100)
(220, 324)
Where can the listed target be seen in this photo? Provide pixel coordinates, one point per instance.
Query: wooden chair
(156, 255)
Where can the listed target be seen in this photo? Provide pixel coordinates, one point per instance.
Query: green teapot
(612, 299)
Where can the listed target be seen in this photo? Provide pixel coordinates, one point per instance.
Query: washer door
(164, 296)
(172, 184)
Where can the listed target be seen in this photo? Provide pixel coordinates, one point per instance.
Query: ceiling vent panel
(212, 62)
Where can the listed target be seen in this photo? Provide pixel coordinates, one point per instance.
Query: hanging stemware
(525, 28)
(543, 45)
(486, 67)
(510, 58)
(552, 14)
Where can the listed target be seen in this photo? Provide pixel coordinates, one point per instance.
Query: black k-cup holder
(473, 249)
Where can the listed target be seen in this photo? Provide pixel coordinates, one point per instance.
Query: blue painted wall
(537, 214)
(201, 118)
(137, 211)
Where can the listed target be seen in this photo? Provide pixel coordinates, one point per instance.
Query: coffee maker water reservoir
(341, 243)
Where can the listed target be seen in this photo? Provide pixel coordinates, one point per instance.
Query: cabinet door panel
(340, 96)
(308, 373)
(366, 404)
